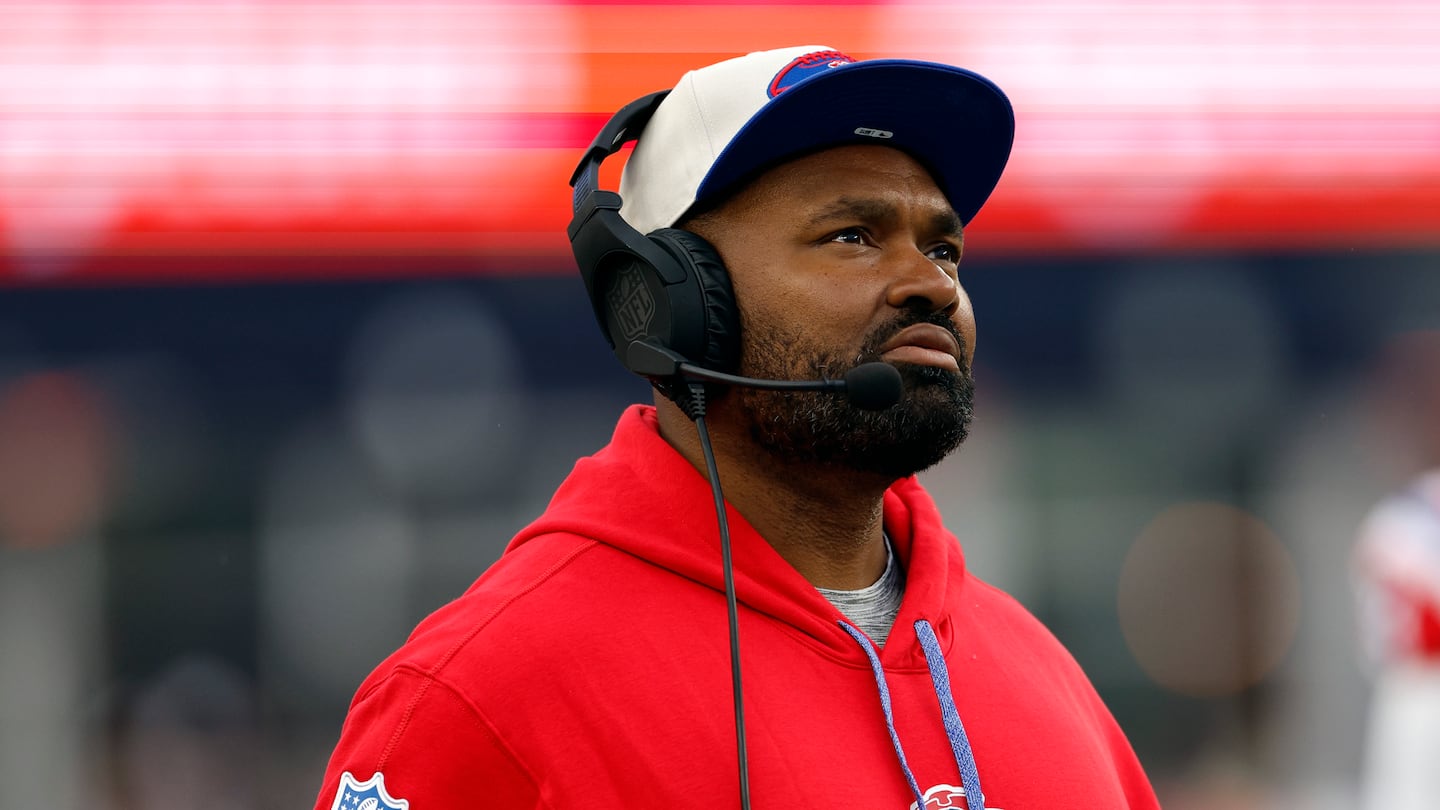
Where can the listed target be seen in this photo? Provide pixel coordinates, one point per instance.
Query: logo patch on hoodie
(944, 797)
(367, 795)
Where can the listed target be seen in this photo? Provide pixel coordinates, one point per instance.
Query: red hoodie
(590, 668)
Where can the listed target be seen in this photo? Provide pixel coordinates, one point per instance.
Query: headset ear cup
(718, 311)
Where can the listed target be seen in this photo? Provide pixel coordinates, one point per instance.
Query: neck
(825, 521)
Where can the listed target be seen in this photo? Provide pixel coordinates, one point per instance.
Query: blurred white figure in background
(1397, 575)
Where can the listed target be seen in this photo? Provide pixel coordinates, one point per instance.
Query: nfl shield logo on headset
(632, 302)
(367, 795)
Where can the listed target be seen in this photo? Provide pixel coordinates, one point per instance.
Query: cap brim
(955, 122)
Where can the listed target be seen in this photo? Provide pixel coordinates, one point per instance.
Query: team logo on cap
(804, 67)
(367, 795)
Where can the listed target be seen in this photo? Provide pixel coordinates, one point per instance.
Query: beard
(931, 420)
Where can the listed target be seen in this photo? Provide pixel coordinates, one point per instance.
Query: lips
(923, 344)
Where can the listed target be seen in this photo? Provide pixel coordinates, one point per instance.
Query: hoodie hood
(640, 474)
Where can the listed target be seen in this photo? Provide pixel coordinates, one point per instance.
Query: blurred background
(291, 344)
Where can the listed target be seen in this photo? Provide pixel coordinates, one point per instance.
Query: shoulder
(531, 579)
(992, 606)
(426, 744)
(433, 715)
(543, 603)
(1002, 627)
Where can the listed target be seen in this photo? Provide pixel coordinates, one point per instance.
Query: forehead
(816, 181)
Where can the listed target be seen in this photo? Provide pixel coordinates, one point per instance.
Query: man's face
(839, 258)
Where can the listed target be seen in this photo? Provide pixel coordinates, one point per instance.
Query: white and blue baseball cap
(723, 124)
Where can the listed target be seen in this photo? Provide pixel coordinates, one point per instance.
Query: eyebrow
(945, 223)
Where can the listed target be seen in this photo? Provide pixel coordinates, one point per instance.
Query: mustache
(870, 350)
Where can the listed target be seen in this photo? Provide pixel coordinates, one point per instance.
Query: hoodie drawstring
(954, 730)
(869, 647)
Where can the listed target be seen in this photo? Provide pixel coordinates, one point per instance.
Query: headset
(662, 299)
(667, 289)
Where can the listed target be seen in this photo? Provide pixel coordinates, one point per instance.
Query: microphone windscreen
(873, 386)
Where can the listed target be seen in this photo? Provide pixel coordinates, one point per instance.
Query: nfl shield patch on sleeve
(367, 795)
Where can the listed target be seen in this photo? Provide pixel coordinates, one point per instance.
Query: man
(1396, 567)
(590, 666)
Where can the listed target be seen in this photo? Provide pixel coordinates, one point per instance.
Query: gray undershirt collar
(873, 608)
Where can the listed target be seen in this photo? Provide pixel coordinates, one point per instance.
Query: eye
(849, 236)
(945, 253)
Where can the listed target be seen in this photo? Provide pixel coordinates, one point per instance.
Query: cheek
(782, 297)
(965, 322)
(782, 322)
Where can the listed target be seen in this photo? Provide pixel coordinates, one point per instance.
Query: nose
(920, 281)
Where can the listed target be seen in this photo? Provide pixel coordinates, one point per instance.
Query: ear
(717, 312)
